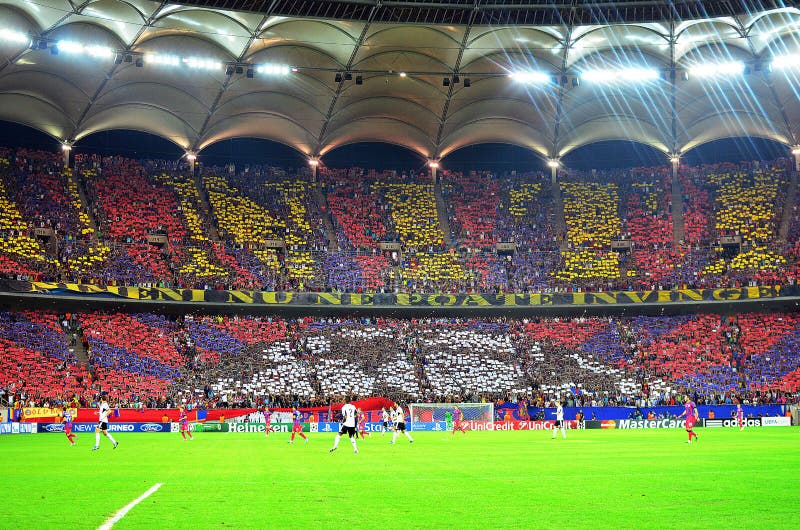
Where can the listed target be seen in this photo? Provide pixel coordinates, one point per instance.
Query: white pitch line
(114, 519)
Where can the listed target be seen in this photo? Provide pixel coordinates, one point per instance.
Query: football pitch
(594, 479)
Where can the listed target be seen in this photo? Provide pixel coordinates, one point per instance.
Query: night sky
(497, 157)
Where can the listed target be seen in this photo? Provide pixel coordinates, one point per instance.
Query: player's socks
(355, 447)
(410, 439)
(335, 443)
(113, 441)
(183, 434)
(97, 439)
(394, 437)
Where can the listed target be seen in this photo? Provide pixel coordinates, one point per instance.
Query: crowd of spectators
(223, 361)
(261, 228)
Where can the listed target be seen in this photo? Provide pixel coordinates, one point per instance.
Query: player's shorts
(349, 431)
(103, 426)
(401, 426)
(386, 425)
(297, 428)
(558, 424)
(362, 426)
(690, 422)
(739, 422)
(184, 426)
(67, 429)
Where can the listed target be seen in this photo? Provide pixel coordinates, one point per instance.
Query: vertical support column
(433, 165)
(677, 201)
(313, 163)
(191, 160)
(66, 149)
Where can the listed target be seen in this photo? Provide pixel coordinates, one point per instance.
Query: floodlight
(530, 77)
(467, 82)
(632, 75)
(14, 36)
(446, 81)
(796, 150)
(780, 62)
(313, 162)
(338, 77)
(433, 164)
(553, 163)
(201, 63)
(359, 80)
(727, 68)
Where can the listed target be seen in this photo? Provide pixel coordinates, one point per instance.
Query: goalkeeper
(448, 420)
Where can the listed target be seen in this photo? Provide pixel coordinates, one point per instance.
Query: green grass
(595, 479)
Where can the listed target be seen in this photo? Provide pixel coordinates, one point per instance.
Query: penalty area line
(114, 519)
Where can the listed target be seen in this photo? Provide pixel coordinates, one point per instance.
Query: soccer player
(400, 425)
(457, 417)
(183, 421)
(362, 423)
(559, 423)
(739, 416)
(102, 425)
(348, 427)
(385, 420)
(66, 419)
(267, 422)
(690, 411)
(297, 427)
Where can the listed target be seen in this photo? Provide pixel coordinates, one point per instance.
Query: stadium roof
(548, 76)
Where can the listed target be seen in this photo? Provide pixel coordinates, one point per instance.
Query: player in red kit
(183, 421)
(362, 423)
(457, 425)
(66, 419)
(740, 416)
(690, 411)
(297, 428)
(267, 422)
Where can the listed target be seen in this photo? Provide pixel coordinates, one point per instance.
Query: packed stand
(230, 361)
